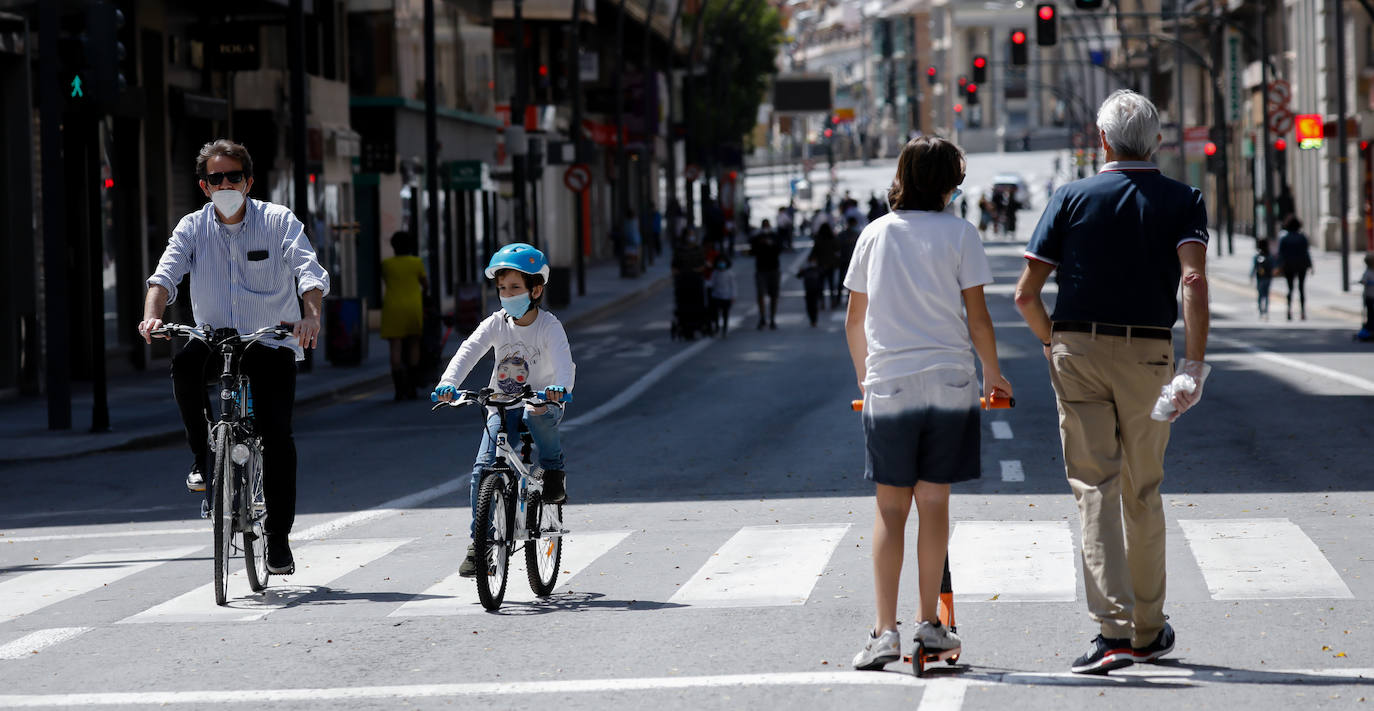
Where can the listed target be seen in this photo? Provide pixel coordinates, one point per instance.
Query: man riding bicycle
(249, 261)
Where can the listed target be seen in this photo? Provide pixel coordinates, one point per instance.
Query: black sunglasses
(234, 176)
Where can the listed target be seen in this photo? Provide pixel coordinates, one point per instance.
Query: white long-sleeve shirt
(537, 354)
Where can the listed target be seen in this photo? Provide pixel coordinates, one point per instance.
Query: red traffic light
(972, 88)
(958, 108)
(1210, 149)
(109, 183)
(963, 81)
(543, 70)
(980, 62)
(930, 71)
(1280, 145)
(1018, 37)
(1046, 12)
(733, 176)
(828, 133)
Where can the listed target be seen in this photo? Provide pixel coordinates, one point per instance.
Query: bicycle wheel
(544, 549)
(223, 513)
(492, 541)
(252, 509)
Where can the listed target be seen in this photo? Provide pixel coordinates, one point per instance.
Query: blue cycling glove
(443, 390)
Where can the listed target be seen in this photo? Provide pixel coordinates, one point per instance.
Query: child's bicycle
(945, 609)
(509, 506)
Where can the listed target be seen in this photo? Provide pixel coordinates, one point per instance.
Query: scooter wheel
(952, 661)
(918, 660)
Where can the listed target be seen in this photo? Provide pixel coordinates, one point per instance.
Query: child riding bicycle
(531, 349)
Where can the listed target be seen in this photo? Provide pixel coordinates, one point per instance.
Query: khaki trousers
(1114, 459)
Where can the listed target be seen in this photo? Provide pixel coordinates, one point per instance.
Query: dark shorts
(923, 427)
(767, 283)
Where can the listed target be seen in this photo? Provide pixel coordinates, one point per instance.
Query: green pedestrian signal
(76, 87)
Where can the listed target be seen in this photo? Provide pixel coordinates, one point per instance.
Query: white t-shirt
(913, 265)
(537, 354)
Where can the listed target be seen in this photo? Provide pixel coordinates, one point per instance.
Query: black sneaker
(1163, 644)
(279, 560)
(195, 480)
(1105, 655)
(469, 567)
(555, 486)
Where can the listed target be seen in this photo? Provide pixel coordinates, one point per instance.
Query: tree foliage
(739, 49)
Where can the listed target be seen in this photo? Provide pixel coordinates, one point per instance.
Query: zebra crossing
(756, 566)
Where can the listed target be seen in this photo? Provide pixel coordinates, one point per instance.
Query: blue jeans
(543, 430)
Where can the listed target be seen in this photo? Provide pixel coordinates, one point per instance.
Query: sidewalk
(1325, 300)
(143, 413)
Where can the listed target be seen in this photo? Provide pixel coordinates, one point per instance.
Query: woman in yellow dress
(404, 284)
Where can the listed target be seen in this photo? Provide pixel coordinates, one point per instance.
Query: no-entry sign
(577, 177)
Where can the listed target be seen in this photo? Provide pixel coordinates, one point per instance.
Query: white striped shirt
(245, 280)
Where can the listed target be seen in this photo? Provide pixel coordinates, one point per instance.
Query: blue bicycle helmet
(522, 258)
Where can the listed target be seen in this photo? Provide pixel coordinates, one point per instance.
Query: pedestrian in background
(813, 286)
(1295, 260)
(721, 287)
(1262, 271)
(825, 249)
(403, 290)
(844, 249)
(1367, 280)
(1109, 346)
(784, 226)
(917, 315)
(767, 251)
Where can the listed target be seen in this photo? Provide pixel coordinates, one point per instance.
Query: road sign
(1278, 94)
(1281, 122)
(692, 172)
(577, 177)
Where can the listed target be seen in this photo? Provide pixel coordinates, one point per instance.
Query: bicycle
(236, 448)
(510, 511)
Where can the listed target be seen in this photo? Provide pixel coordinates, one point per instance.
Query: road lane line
(1261, 559)
(33, 642)
(943, 695)
(57, 582)
(1001, 429)
(1012, 470)
(409, 501)
(82, 512)
(763, 565)
(458, 595)
(637, 388)
(1287, 362)
(109, 534)
(1016, 561)
(317, 566)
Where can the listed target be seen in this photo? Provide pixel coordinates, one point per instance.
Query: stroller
(690, 313)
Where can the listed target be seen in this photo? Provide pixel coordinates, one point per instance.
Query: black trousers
(272, 372)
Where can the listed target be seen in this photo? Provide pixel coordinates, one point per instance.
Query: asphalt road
(719, 550)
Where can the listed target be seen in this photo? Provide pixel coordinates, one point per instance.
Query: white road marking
(1012, 470)
(1263, 558)
(943, 695)
(458, 595)
(1014, 561)
(34, 642)
(638, 387)
(316, 566)
(763, 565)
(79, 512)
(1287, 362)
(1001, 429)
(724, 681)
(409, 501)
(62, 581)
(108, 534)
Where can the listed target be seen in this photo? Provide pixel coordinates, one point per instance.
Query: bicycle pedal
(205, 509)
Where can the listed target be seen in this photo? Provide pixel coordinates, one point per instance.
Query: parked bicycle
(236, 450)
(510, 511)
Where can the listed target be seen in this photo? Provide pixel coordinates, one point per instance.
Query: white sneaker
(879, 650)
(937, 638)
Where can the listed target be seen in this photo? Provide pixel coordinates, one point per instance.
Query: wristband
(1046, 344)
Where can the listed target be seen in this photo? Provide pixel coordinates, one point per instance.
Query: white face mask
(227, 202)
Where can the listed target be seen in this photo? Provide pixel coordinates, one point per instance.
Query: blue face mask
(954, 196)
(516, 306)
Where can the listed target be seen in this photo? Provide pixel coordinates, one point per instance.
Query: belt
(1106, 329)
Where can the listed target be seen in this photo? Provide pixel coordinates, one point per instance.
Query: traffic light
(1088, 4)
(931, 75)
(1280, 145)
(1046, 25)
(1213, 153)
(980, 69)
(972, 90)
(1018, 48)
(958, 108)
(104, 55)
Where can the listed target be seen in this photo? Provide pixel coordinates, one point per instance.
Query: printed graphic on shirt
(513, 370)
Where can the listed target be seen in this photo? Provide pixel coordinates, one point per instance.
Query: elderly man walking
(1121, 241)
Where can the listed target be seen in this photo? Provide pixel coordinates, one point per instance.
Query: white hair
(1130, 123)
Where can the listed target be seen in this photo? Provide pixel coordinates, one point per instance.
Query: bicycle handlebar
(486, 397)
(205, 334)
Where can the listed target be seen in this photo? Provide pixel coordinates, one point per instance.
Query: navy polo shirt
(1114, 240)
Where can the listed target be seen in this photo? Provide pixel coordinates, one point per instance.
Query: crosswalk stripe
(458, 595)
(1001, 429)
(1013, 561)
(1264, 558)
(62, 581)
(1012, 470)
(316, 565)
(763, 565)
(34, 642)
